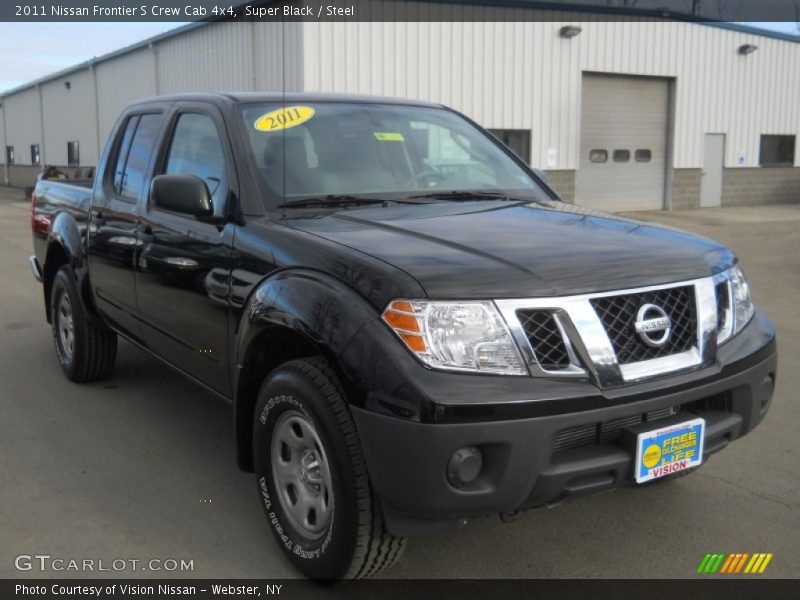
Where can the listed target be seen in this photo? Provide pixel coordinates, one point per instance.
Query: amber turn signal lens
(404, 322)
(401, 317)
(415, 342)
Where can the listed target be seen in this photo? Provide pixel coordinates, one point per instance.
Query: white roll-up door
(623, 142)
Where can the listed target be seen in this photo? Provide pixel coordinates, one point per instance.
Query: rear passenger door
(112, 242)
(184, 264)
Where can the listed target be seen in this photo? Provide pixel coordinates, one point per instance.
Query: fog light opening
(465, 465)
(767, 388)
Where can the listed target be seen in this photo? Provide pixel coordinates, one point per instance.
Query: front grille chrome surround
(548, 340)
(589, 347)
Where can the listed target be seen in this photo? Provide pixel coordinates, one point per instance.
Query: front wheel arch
(272, 347)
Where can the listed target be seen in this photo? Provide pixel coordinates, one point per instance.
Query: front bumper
(408, 460)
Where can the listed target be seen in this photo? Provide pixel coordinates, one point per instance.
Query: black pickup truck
(412, 328)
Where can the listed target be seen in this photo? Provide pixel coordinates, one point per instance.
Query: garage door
(623, 142)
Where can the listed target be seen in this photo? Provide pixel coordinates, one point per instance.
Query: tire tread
(376, 549)
(96, 350)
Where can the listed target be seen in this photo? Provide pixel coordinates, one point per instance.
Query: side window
(141, 148)
(196, 149)
(122, 154)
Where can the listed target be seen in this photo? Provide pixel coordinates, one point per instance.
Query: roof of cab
(290, 97)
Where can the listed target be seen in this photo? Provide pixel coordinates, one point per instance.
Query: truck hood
(502, 249)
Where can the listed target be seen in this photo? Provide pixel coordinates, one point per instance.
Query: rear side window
(122, 155)
(137, 156)
(196, 149)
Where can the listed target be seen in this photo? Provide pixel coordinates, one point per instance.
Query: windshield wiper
(333, 200)
(456, 195)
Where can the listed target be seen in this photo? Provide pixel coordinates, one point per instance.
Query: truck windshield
(333, 149)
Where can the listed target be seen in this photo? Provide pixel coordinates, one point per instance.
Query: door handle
(147, 230)
(99, 218)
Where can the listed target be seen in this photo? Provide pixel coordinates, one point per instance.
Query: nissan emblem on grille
(653, 325)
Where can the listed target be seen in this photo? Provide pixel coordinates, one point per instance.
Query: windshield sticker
(284, 118)
(387, 136)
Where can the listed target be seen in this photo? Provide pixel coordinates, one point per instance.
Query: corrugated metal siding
(23, 125)
(521, 74)
(717, 90)
(212, 58)
(278, 56)
(70, 115)
(122, 80)
(506, 75)
(2, 135)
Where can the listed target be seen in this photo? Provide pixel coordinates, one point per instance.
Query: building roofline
(531, 4)
(749, 29)
(87, 64)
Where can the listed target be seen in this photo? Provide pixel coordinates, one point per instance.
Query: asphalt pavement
(141, 466)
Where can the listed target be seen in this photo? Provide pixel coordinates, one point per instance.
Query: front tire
(86, 351)
(312, 477)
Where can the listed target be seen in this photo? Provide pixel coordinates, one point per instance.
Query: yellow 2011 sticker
(387, 136)
(284, 118)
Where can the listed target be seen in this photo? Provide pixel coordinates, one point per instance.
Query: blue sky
(31, 50)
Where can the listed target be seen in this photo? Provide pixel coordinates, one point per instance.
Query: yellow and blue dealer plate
(669, 450)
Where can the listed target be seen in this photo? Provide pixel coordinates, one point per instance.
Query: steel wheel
(302, 474)
(65, 325)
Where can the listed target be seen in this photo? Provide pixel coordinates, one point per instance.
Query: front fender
(320, 308)
(294, 308)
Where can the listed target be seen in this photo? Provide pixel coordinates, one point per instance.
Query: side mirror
(183, 194)
(541, 174)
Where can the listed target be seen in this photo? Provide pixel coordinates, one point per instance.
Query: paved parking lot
(142, 465)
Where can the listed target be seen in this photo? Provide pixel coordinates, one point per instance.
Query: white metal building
(627, 115)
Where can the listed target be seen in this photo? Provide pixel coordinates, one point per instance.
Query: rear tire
(312, 477)
(86, 351)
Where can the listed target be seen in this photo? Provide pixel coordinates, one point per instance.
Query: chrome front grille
(618, 314)
(546, 338)
(595, 336)
(605, 432)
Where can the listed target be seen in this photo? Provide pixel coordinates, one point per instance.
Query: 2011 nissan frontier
(412, 328)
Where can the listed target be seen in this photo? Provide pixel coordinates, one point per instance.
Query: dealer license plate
(669, 450)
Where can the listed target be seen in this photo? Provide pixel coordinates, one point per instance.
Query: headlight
(743, 306)
(461, 336)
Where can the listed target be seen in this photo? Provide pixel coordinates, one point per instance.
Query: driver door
(184, 265)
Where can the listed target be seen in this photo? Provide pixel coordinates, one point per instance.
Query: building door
(623, 145)
(713, 162)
